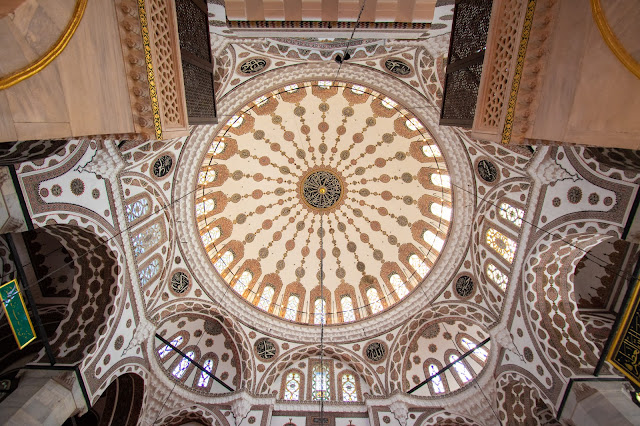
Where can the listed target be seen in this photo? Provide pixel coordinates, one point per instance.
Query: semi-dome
(323, 170)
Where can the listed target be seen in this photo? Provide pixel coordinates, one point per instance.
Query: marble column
(43, 397)
(601, 403)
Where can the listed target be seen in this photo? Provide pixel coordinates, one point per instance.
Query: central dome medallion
(321, 189)
(323, 171)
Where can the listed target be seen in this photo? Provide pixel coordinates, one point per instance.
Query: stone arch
(520, 401)
(205, 309)
(365, 374)
(549, 273)
(194, 414)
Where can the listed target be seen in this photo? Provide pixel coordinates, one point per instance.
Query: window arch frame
(506, 222)
(473, 355)
(152, 248)
(131, 200)
(443, 376)
(283, 384)
(260, 298)
(297, 289)
(496, 254)
(331, 372)
(501, 269)
(453, 370)
(145, 265)
(190, 367)
(365, 285)
(185, 339)
(339, 386)
(203, 359)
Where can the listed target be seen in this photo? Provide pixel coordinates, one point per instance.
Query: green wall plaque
(625, 351)
(17, 313)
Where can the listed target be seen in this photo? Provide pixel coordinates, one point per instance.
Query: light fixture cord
(346, 49)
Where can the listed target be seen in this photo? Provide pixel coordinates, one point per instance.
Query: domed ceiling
(324, 176)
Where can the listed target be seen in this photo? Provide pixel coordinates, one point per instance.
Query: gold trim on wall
(522, 51)
(153, 92)
(627, 330)
(612, 41)
(57, 48)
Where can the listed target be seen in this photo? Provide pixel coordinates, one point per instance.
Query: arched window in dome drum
(418, 265)
(413, 124)
(182, 366)
(460, 368)
(292, 386)
(433, 240)
(388, 103)
(349, 391)
(137, 209)
(243, 281)
(167, 349)
(320, 383)
(149, 272)
(481, 353)
(224, 261)
(216, 147)
(265, 299)
(261, 101)
(431, 150)
(502, 244)
(292, 308)
(207, 176)
(439, 179)
(398, 285)
(235, 121)
(440, 211)
(438, 386)
(292, 88)
(358, 90)
(203, 381)
(205, 206)
(497, 276)
(210, 236)
(511, 213)
(319, 316)
(347, 309)
(374, 300)
(325, 84)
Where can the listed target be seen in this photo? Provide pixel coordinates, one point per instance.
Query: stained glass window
(243, 282)
(460, 368)
(374, 300)
(207, 176)
(292, 387)
(216, 147)
(433, 240)
(441, 180)
(224, 261)
(398, 286)
(388, 103)
(203, 381)
(511, 213)
(438, 386)
(479, 352)
(210, 236)
(358, 90)
(349, 393)
(265, 299)
(146, 239)
(261, 100)
(165, 350)
(149, 272)
(205, 206)
(413, 124)
(292, 88)
(440, 211)
(292, 308)
(182, 366)
(325, 84)
(320, 383)
(235, 121)
(418, 265)
(347, 309)
(502, 244)
(497, 276)
(431, 150)
(137, 209)
(319, 313)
